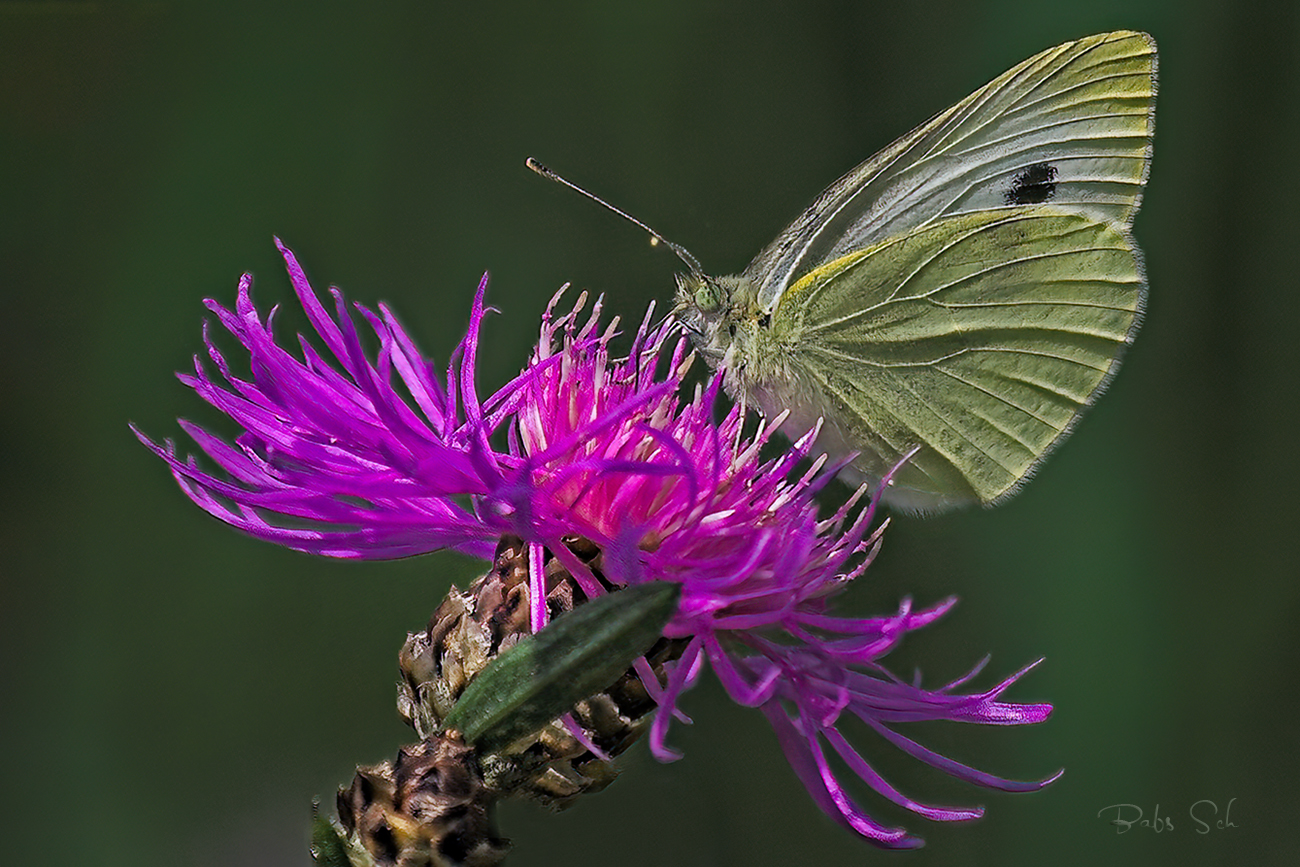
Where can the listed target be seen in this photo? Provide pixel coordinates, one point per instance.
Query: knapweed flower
(346, 455)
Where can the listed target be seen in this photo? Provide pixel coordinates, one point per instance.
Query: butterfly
(965, 294)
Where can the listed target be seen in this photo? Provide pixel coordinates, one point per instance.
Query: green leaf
(578, 654)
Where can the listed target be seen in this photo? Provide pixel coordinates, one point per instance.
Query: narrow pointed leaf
(578, 654)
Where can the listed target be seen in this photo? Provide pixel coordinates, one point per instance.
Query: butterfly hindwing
(980, 337)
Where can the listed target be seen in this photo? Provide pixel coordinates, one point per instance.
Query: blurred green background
(175, 694)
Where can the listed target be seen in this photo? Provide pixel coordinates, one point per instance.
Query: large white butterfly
(968, 290)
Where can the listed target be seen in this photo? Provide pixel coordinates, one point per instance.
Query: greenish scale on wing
(978, 337)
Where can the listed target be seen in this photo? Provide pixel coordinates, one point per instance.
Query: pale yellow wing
(1070, 127)
(980, 338)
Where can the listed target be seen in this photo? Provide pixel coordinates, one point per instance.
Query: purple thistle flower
(346, 456)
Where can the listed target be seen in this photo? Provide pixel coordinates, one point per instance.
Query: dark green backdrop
(175, 694)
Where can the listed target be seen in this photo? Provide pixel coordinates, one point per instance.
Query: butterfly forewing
(980, 337)
(1070, 127)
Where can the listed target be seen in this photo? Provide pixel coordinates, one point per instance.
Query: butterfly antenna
(655, 237)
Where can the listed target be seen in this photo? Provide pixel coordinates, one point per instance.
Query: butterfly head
(704, 308)
(715, 311)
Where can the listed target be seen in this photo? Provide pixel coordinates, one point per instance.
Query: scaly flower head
(348, 456)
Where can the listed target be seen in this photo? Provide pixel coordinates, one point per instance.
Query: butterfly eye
(708, 297)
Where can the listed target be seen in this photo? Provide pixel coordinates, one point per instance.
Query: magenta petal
(809, 763)
(742, 692)
(678, 680)
(864, 771)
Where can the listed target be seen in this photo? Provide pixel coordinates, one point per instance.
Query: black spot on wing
(1033, 186)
